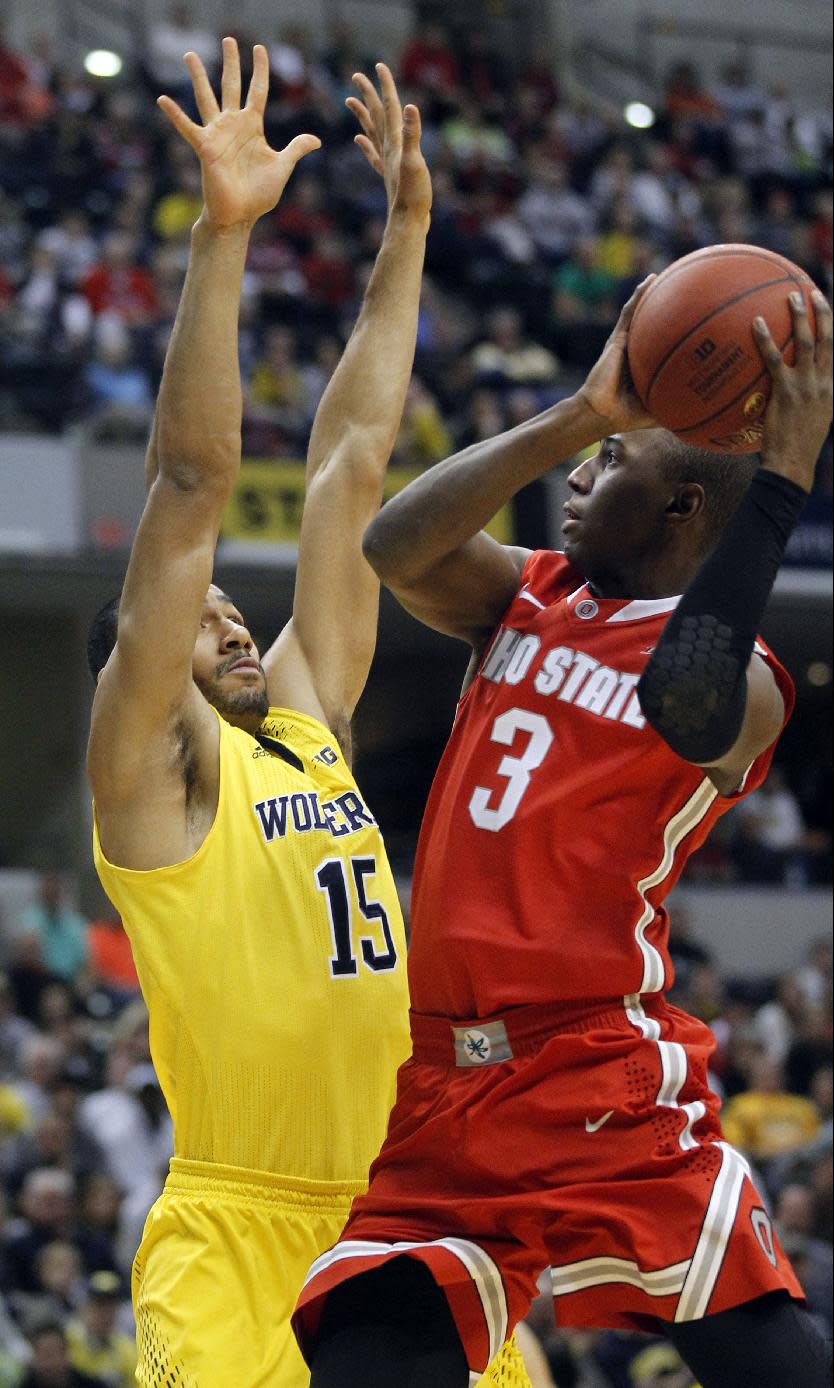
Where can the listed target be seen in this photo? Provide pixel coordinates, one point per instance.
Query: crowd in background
(548, 211)
(85, 1138)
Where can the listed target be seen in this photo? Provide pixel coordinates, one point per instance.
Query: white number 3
(516, 769)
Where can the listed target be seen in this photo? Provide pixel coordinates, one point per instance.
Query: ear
(686, 504)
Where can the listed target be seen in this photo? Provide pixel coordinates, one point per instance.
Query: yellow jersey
(273, 963)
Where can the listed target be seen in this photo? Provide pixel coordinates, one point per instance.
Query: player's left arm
(705, 690)
(320, 662)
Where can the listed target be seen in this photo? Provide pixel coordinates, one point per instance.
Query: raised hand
(608, 389)
(242, 176)
(798, 414)
(391, 142)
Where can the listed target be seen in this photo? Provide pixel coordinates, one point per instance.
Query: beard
(247, 707)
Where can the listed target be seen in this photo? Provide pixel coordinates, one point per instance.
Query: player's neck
(654, 578)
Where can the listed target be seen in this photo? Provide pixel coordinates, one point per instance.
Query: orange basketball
(691, 350)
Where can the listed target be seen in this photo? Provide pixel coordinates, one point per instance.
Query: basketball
(693, 358)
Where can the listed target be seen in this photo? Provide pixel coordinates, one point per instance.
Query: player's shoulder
(784, 681)
(546, 577)
(306, 737)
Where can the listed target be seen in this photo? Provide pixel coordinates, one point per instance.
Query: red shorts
(585, 1145)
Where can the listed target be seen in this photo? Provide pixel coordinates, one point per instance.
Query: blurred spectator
(96, 1344)
(507, 357)
(766, 1120)
(15, 1032)
(110, 959)
(24, 100)
(553, 214)
(50, 1365)
(428, 62)
(71, 245)
(771, 833)
(115, 382)
(119, 285)
(584, 292)
(277, 398)
(176, 212)
(814, 977)
(55, 929)
(810, 1048)
(685, 97)
(168, 39)
(130, 1120)
(423, 438)
(46, 316)
(47, 1199)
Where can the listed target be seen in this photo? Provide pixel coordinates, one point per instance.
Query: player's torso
(557, 818)
(273, 963)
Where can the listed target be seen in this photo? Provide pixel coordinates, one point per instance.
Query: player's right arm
(722, 709)
(428, 543)
(146, 704)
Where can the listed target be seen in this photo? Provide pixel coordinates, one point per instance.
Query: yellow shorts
(221, 1263)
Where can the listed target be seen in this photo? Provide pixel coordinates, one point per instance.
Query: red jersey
(558, 820)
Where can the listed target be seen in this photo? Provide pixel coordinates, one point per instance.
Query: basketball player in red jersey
(555, 1113)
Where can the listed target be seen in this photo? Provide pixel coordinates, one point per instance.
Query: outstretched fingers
(412, 129)
(390, 102)
(259, 86)
(825, 332)
(180, 121)
(362, 114)
(298, 147)
(203, 94)
(230, 80)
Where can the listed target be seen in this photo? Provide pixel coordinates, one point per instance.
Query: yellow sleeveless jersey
(273, 963)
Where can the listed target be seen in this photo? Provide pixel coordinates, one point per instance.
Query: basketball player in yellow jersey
(230, 834)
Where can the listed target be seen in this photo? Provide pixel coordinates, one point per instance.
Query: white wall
(379, 24)
(754, 932)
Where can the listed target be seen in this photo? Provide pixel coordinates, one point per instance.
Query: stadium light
(638, 114)
(102, 63)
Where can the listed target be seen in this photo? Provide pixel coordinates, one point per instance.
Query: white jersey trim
(481, 1268)
(530, 597)
(643, 607)
(674, 1068)
(686, 819)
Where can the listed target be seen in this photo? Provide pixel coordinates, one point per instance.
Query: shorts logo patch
(593, 1126)
(477, 1046)
(486, 1045)
(763, 1229)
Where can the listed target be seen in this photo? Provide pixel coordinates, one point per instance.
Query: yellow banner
(269, 497)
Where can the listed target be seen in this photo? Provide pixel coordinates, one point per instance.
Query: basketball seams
(696, 327)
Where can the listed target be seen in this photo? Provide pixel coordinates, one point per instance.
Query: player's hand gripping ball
(691, 351)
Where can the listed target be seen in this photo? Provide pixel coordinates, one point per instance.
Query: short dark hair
(101, 637)
(725, 478)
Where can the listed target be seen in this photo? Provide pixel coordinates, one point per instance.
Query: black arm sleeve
(694, 689)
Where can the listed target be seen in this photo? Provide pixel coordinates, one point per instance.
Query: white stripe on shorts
(481, 1268)
(596, 1272)
(714, 1237)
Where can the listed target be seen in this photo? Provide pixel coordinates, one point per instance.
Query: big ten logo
(704, 349)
